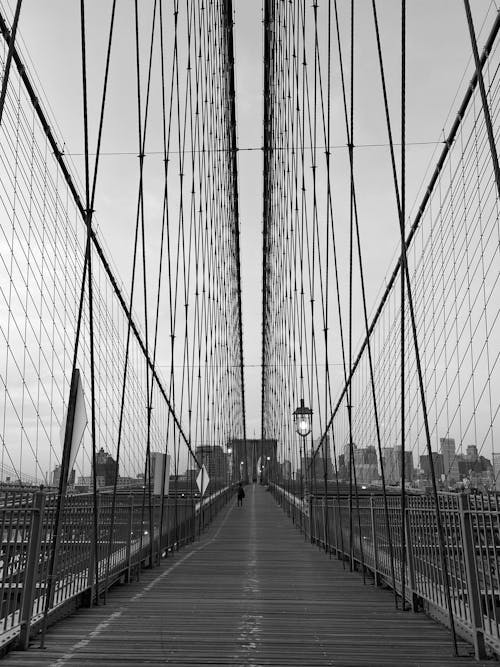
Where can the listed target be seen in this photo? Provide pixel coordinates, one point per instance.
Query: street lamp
(230, 464)
(303, 418)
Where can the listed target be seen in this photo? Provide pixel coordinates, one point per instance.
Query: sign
(202, 480)
(79, 424)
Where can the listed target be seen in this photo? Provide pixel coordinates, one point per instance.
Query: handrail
(472, 529)
(27, 518)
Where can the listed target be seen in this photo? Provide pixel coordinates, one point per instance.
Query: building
(215, 461)
(106, 467)
(366, 464)
(472, 453)
(323, 459)
(391, 459)
(87, 482)
(365, 456)
(160, 473)
(56, 475)
(450, 461)
(346, 453)
(130, 482)
(476, 471)
(366, 473)
(482, 480)
(437, 460)
(495, 460)
(391, 465)
(322, 462)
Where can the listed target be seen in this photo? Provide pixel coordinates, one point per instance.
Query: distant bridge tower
(248, 455)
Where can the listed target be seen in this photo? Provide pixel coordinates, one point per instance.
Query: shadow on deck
(251, 592)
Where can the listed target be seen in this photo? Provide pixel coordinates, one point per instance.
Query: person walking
(241, 495)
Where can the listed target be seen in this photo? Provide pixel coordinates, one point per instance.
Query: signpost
(202, 480)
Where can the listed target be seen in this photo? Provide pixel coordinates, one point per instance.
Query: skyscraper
(106, 467)
(450, 461)
(160, 472)
(495, 460)
(437, 460)
(216, 462)
(323, 463)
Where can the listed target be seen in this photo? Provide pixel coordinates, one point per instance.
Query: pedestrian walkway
(251, 592)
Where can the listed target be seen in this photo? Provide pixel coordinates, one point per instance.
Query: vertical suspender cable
(351, 224)
(353, 486)
(233, 147)
(327, 273)
(266, 205)
(88, 220)
(403, 273)
(141, 141)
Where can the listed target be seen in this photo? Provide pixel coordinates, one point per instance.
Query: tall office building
(495, 460)
(472, 453)
(56, 476)
(106, 467)
(160, 472)
(450, 460)
(437, 460)
(215, 461)
(323, 459)
(391, 457)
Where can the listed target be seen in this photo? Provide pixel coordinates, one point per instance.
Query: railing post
(336, 523)
(410, 564)
(472, 582)
(339, 543)
(129, 538)
(375, 543)
(30, 578)
(310, 504)
(155, 547)
(325, 536)
(92, 564)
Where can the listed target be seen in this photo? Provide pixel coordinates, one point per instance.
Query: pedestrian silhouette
(241, 495)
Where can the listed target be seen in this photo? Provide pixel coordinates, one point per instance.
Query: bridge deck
(251, 592)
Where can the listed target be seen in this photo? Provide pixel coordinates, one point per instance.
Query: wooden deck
(251, 592)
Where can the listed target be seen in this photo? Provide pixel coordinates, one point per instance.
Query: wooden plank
(251, 592)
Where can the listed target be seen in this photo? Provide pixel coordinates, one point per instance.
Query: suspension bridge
(136, 290)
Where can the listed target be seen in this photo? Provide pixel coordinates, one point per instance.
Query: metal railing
(124, 546)
(471, 527)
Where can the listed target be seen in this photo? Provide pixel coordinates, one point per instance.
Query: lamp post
(265, 470)
(302, 417)
(230, 465)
